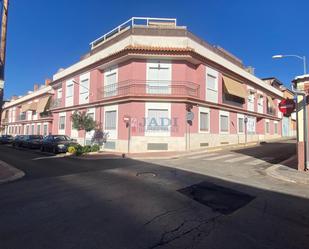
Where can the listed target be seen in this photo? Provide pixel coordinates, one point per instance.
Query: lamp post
(304, 107)
(303, 58)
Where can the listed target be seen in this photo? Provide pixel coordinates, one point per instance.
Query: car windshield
(36, 137)
(61, 138)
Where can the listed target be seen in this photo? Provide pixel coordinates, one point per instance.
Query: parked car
(6, 139)
(57, 143)
(17, 141)
(32, 141)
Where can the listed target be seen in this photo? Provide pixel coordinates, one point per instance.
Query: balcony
(21, 117)
(55, 103)
(135, 88)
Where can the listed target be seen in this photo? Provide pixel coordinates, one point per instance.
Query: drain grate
(218, 198)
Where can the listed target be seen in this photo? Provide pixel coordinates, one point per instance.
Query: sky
(44, 36)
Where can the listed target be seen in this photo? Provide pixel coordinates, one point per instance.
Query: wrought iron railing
(150, 88)
(55, 103)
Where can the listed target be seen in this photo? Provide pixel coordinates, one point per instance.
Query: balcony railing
(137, 88)
(55, 103)
(150, 88)
(21, 117)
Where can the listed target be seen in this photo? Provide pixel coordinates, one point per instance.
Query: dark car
(17, 141)
(6, 139)
(32, 141)
(57, 143)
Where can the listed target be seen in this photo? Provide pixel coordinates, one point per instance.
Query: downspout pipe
(305, 124)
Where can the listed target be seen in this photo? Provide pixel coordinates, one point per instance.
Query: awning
(33, 106)
(42, 104)
(271, 102)
(234, 88)
(24, 108)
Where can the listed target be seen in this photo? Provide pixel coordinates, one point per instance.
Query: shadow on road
(281, 151)
(132, 204)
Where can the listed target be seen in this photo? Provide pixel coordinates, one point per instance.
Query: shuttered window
(110, 120)
(240, 125)
(204, 121)
(158, 120)
(159, 77)
(110, 83)
(84, 91)
(61, 122)
(224, 123)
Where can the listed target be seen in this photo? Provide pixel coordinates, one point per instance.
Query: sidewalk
(8, 173)
(170, 154)
(286, 171)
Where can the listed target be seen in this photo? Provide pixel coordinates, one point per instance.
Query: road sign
(287, 106)
(190, 116)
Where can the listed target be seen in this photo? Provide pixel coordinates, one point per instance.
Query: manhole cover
(218, 198)
(146, 174)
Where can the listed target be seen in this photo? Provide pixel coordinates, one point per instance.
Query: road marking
(219, 157)
(202, 155)
(237, 159)
(260, 161)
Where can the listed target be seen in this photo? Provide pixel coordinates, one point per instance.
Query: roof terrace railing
(135, 21)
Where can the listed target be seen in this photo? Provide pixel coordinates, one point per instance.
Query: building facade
(177, 91)
(28, 115)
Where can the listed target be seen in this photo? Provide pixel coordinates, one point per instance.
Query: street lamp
(304, 106)
(303, 58)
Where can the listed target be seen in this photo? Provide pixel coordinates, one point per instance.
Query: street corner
(9, 173)
(286, 172)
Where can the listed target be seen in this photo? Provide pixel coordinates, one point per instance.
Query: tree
(82, 121)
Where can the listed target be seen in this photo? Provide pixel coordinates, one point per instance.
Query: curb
(293, 176)
(16, 173)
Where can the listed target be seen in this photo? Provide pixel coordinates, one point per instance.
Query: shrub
(79, 149)
(95, 148)
(72, 150)
(86, 149)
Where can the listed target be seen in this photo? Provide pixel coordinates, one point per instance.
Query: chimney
(14, 97)
(35, 87)
(47, 82)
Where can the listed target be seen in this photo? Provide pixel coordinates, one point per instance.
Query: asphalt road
(122, 203)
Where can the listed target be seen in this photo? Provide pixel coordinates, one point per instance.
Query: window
(157, 120)
(45, 128)
(70, 90)
(224, 122)
(211, 82)
(211, 85)
(38, 129)
(61, 122)
(110, 120)
(251, 124)
(27, 130)
(267, 127)
(204, 121)
(260, 104)
(241, 125)
(159, 76)
(32, 129)
(59, 93)
(276, 128)
(251, 102)
(84, 89)
(110, 82)
(69, 93)
(91, 115)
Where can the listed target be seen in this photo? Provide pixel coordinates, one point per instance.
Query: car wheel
(55, 150)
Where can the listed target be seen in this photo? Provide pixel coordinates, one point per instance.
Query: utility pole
(5, 11)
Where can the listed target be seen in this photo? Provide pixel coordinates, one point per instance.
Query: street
(221, 199)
